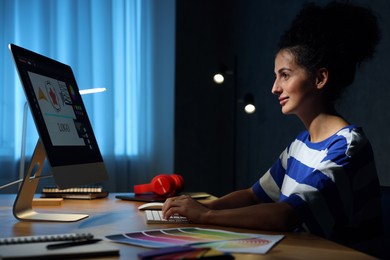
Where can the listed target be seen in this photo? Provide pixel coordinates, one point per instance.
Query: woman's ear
(322, 78)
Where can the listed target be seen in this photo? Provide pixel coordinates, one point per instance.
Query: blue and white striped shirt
(332, 185)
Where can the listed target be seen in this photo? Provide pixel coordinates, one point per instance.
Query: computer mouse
(151, 205)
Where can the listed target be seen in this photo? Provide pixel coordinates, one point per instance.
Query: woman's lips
(283, 100)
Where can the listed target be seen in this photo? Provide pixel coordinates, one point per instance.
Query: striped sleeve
(267, 189)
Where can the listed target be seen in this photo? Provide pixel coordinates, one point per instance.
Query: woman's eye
(285, 75)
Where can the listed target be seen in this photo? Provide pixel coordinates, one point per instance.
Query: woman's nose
(276, 89)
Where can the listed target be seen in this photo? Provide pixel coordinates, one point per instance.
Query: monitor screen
(61, 119)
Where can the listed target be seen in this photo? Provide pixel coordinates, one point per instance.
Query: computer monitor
(65, 133)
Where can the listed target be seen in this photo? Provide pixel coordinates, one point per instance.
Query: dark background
(219, 148)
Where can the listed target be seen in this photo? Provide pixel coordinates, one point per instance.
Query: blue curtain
(126, 46)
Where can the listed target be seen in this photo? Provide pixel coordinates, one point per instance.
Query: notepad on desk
(40, 251)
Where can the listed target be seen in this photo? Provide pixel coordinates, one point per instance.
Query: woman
(325, 181)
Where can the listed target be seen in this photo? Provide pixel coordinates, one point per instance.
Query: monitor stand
(22, 209)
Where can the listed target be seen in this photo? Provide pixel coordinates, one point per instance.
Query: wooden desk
(112, 216)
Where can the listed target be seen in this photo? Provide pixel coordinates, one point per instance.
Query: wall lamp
(249, 104)
(248, 101)
(219, 77)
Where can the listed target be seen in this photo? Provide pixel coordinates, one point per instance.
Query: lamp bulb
(250, 109)
(218, 78)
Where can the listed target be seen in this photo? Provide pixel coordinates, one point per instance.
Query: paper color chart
(218, 239)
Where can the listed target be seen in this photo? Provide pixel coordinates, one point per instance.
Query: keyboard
(45, 238)
(155, 217)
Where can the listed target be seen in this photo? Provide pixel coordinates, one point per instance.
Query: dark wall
(204, 117)
(218, 148)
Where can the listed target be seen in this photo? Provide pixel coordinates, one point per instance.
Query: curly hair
(339, 37)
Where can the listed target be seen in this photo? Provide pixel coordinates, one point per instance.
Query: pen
(73, 243)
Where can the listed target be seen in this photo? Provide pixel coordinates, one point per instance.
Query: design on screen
(58, 111)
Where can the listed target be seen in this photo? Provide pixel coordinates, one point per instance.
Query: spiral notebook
(29, 248)
(39, 251)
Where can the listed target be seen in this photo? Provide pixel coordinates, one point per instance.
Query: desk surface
(112, 216)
